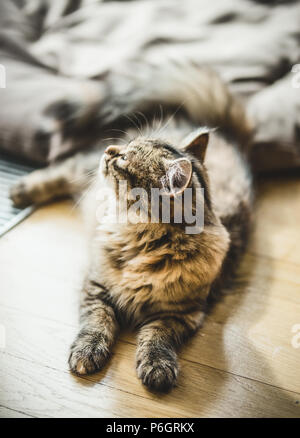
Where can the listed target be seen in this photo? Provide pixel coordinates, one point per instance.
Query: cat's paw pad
(159, 374)
(89, 353)
(20, 195)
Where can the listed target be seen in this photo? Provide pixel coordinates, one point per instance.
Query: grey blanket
(73, 67)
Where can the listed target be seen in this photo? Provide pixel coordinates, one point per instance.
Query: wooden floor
(242, 363)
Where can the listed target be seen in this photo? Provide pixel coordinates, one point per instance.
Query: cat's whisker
(84, 195)
(170, 118)
(146, 120)
(161, 116)
(115, 139)
(140, 124)
(119, 130)
(134, 123)
(156, 125)
(85, 177)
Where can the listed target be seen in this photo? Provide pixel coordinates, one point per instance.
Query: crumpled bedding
(90, 60)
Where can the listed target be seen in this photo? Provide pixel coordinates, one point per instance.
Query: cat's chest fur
(150, 267)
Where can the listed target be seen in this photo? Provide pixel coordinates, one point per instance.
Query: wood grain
(242, 362)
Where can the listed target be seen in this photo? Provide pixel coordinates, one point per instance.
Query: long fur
(156, 277)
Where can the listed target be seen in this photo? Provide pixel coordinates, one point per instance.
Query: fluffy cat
(156, 277)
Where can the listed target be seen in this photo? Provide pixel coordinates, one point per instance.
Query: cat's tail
(202, 94)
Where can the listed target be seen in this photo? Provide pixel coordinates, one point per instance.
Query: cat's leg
(63, 178)
(158, 341)
(99, 327)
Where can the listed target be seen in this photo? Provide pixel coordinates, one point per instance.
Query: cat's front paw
(158, 373)
(30, 189)
(19, 194)
(89, 353)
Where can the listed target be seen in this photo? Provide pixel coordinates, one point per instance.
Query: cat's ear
(196, 143)
(178, 176)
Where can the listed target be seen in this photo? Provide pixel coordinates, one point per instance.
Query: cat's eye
(123, 157)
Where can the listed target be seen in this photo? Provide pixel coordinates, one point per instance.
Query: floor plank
(38, 349)
(10, 413)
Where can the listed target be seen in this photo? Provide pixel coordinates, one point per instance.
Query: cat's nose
(112, 150)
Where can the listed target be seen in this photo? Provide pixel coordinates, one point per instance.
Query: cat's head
(146, 163)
